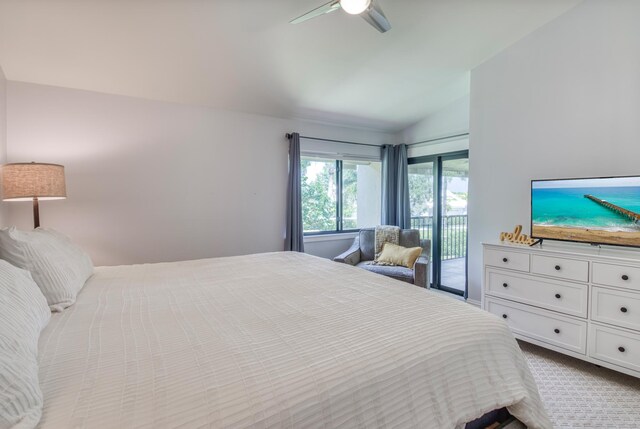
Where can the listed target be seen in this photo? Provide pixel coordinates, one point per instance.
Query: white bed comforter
(278, 340)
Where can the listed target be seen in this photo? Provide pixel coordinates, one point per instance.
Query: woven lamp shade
(23, 181)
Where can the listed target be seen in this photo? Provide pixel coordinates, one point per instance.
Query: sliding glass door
(438, 189)
(421, 197)
(453, 231)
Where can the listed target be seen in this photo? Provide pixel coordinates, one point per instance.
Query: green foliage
(318, 197)
(454, 234)
(421, 187)
(462, 195)
(420, 193)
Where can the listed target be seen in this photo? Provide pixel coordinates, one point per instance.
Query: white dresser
(577, 300)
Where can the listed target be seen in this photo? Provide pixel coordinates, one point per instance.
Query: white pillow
(23, 315)
(59, 267)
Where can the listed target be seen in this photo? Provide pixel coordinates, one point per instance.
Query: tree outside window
(339, 195)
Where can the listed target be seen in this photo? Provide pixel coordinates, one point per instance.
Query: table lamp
(24, 181)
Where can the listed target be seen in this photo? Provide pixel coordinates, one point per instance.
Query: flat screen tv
(604, 210)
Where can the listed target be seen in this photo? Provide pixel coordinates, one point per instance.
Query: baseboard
(473, 302)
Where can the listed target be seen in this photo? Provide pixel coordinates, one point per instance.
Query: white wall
(436, 148)
(150, 181)
(3, 116)
(3, 134)
(369, 177)
(563, 102)
(328, 246)
(451, 120)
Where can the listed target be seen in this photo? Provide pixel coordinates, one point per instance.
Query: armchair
(363, 250)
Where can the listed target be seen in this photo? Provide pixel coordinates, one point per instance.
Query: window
(339, 195)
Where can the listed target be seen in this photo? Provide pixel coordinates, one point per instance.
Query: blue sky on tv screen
(587, 183)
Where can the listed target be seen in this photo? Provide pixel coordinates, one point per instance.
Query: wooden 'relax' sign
(517, 237)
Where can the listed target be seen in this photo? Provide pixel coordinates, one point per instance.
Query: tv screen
(595, 210)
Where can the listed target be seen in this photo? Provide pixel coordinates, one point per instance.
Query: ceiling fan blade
(325, 8)
(376, 17)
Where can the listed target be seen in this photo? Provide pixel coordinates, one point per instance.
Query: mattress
(275, 340)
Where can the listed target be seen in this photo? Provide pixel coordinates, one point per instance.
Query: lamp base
(36, 213)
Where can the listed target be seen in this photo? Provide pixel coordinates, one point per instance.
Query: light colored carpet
(578, 394)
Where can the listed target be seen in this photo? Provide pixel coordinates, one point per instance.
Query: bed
(275, 340)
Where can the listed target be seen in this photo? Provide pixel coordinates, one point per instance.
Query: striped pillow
(23, 315)
(58, 267)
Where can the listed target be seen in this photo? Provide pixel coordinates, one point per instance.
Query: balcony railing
(454, 234)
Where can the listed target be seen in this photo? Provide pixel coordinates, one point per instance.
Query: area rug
(578, 394)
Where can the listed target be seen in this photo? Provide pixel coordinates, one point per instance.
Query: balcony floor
(454, 273)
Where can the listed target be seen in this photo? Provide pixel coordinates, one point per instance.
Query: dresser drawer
(565, 297)
(616, 275)
(569, 269)
(615, 307)
(542, 325)
(506, 259)
(615, 346)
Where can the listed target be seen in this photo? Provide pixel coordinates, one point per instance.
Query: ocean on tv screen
(598, 204)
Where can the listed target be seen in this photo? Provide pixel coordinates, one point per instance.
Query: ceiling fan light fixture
(354, 7)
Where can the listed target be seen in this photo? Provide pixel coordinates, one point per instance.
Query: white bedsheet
(275, 340)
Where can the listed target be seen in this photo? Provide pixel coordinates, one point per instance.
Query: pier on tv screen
(598, 210)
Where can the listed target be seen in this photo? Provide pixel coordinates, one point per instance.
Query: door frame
(436, 233)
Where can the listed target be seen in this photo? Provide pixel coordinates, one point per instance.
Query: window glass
(340, 195)
(319, 208)
(361, 183)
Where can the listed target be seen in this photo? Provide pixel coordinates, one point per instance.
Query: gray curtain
(395, 186)
(294, 236)
(403, 208)
(389, 185)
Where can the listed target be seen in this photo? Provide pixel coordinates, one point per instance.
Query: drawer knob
(558, 296)
(623, 309)
(557, 267)
(505, 259)
(504, 316)
(557, 331)
(621, 349)
(505, 285)
(625, 277)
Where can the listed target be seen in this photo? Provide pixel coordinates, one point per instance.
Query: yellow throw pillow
(398, 255)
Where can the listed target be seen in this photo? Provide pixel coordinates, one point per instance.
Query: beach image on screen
(591, 210)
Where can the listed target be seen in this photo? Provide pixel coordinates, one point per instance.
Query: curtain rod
(439, 138)
(288, 135)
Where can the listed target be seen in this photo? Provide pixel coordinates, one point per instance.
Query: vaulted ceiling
(244, 55)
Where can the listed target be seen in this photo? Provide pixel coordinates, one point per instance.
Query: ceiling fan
(367, 9)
